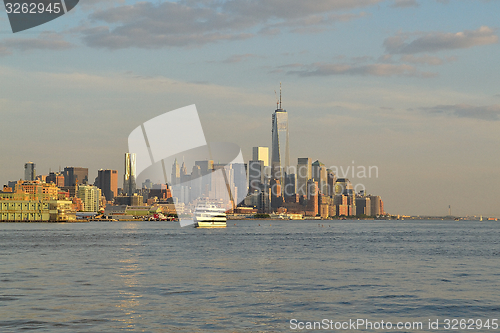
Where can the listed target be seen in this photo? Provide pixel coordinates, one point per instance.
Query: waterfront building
(90, 196)
(40, 204)
(29, 171)
(36, 211)
(377, 206)
(107, 181)
(304, 173)
(129, 176)
(341, 203)
(75, 175)
(363, 206)
(324, 204)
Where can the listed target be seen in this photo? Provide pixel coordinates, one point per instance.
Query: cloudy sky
(408, 86)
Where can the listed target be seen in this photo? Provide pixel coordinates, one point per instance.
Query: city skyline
(400, 85)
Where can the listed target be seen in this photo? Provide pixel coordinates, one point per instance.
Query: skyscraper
(56, 178)
(29, 171)
(255, 175)
(129, 176)
(107, 181)
(74, 175)
(280, 160)
(304, 173)
(261, 154)
(320, 175)
(90, 197)
(176, 173)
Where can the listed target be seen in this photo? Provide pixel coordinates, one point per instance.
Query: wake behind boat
(208, 215)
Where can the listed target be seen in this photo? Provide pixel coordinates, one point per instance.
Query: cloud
(45, 41)
(404, 3)
(439, 41)
(149, 25)
(291, 9)
(377, 69)
(489, 112)
(426, 59)
(198, 22)
(235, 58)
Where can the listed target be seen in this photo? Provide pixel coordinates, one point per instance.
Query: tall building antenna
(280, 95)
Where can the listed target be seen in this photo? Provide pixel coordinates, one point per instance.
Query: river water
(253, 276)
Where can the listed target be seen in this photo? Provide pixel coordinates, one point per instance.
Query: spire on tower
(280, 94)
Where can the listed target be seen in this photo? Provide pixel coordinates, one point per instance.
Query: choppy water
(158, 277)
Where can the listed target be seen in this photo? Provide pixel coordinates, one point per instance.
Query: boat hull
(210, 224)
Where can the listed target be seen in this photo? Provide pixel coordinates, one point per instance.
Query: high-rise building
(240, 182)
(206, 167)
(75, 175)
(56, 178)
(376, 205)
(107, 181)
(304, 173)
(29, 171)
(184, 174)
(90, 196)
(320, 175)
(290, 185)
(176, 173)
(255, 175)
(196, 183)
(343, 186)
(363, 206)
(280, 160)
(129, 184)
(312, 197)
(148, 184)
(332, 178)
(261, 154)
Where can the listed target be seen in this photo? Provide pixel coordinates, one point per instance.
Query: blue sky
(408, 86)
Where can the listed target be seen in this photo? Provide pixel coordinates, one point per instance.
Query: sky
(407, 86)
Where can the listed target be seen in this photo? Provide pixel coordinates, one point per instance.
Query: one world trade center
(280, 159)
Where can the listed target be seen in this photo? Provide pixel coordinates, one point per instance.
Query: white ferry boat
(209, 215)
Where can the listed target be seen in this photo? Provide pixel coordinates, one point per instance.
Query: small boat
(208, 215)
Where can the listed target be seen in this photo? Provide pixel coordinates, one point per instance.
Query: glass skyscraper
(29, 171)
(129, 176)
(280, 159)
